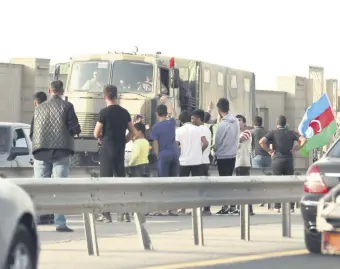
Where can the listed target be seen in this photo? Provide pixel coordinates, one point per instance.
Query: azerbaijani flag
(318, 125)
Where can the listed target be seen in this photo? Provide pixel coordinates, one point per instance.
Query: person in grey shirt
(226, 145)
(261, 158)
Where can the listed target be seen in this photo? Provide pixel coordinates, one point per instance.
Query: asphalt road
(294, 257)
(157, 225)
(305, 261)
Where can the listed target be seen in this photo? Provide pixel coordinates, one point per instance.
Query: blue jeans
(168, 166)
(260, 161)
(57, 169)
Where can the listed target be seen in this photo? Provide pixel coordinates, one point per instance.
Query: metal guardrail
(81, 171)
(94, 195)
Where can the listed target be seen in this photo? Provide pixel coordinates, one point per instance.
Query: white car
(19, 244)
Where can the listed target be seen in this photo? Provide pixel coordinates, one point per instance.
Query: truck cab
(15, 145)
(140, 80)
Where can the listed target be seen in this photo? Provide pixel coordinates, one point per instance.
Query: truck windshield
(5, 143)
(89, 76)
(132, 76)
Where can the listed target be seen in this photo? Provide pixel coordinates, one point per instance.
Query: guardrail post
(286, 220)
(90, 234)
(142, 232)
(245, 222)
(197, 226)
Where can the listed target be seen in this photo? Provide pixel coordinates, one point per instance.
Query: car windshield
(89, 76)
(133, 76)
(335, 150)
(5, 144)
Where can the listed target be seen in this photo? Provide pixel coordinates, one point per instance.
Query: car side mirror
(17, 151)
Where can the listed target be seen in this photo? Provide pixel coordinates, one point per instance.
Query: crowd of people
(182, 151)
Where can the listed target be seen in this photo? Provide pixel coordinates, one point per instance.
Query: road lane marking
(230, 260)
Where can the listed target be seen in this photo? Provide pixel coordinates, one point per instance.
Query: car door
(20, 140)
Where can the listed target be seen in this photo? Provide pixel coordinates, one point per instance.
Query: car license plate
(330, 243)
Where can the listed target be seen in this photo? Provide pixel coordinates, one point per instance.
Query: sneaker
(226, 211)
(222, 211)
(64, 229)
(234, 211)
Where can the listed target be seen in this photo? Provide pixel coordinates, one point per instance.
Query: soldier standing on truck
(55, 124)
(110, 130)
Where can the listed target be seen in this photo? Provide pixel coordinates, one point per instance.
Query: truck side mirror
(17, 151)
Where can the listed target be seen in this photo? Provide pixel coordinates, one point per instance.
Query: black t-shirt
(257, 134)
(115, 120)
(282, 140)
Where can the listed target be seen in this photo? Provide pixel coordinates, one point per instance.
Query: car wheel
(313, 242)
(22, 251)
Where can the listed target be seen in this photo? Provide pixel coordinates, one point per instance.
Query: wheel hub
(20, 257)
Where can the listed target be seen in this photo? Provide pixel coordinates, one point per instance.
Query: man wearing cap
(55, 125)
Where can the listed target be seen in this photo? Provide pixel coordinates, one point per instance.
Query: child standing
(138, 165)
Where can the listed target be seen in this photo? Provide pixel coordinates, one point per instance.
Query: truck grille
(87, 123)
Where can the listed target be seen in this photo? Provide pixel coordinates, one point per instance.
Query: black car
(322, 176)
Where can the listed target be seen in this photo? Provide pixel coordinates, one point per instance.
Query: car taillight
(314, 182)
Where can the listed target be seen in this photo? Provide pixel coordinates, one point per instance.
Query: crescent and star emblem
(319, 123)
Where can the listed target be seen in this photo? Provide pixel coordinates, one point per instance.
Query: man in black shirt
(282, 141)
(110, 130)
(261, 158)
(53, 128)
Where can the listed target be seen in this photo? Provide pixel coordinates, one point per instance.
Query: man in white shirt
(192, 144)
(197, 119)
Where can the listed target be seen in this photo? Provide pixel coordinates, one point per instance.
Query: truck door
(21, 140)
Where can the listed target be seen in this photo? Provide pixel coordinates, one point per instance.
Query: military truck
(141, 79)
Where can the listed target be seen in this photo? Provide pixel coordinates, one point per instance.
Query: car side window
(19, 139)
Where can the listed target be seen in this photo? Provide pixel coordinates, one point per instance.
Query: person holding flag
(318, 125)
(282, 140)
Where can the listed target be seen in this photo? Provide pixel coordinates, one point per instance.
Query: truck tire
(75, 160)
(313, 242)
(22, 250)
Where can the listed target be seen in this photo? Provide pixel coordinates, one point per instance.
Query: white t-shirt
(207, 133)
(244, 150)
(129, 145)
(189, 137)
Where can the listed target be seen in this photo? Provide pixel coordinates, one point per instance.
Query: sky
(269, 38)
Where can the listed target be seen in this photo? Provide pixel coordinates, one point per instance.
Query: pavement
(173, 243)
